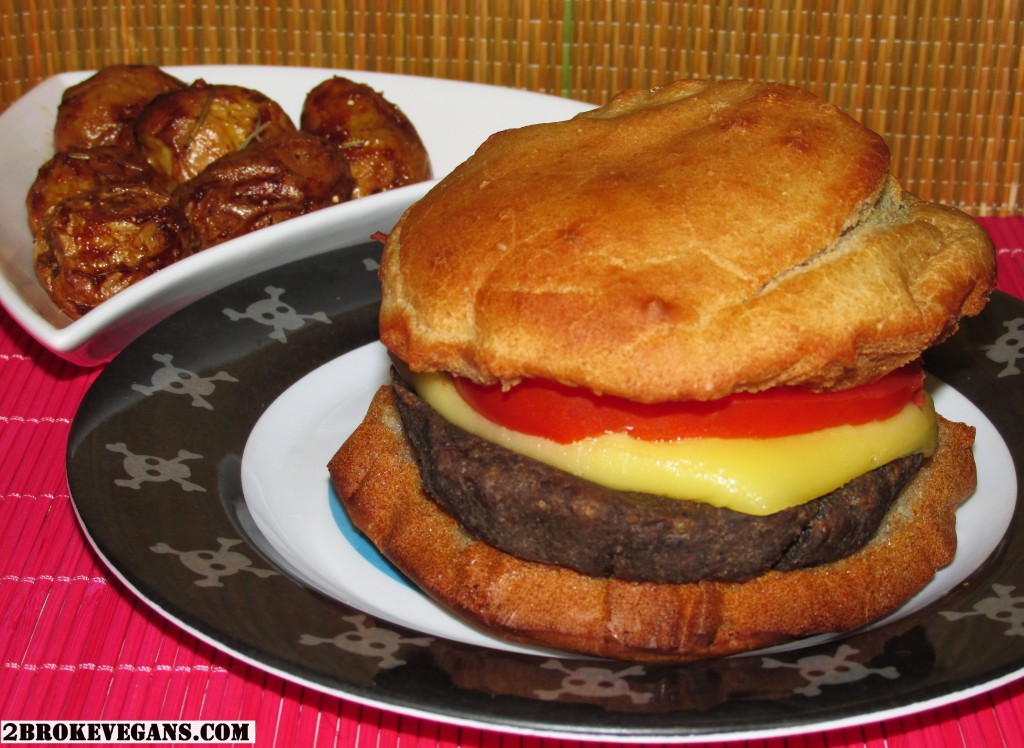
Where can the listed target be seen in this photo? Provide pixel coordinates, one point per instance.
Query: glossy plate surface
(451, 117)
(155, 472)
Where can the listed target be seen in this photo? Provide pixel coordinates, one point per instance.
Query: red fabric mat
(75, 644)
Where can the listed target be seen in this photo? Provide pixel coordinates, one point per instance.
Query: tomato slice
(566, 414)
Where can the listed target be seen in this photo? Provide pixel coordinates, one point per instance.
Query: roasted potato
(382, 146)
(149, 170)
(182, 132)
(264, 184)
(100, 109)
(72, 172)
(97, 243)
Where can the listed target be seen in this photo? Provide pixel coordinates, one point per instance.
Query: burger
(657, 388)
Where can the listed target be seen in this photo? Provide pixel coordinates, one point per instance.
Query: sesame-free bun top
(681, 243)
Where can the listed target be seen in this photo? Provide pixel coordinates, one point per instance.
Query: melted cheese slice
(755, 476)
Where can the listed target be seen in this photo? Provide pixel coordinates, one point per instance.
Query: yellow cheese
(755, 476)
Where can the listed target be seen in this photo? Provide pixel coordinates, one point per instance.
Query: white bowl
(452, 118)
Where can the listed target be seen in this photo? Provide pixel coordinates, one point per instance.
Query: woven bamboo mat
(941, 80)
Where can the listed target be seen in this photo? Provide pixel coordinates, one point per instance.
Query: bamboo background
(941, 80)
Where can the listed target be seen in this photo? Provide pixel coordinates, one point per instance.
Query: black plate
(153, 468)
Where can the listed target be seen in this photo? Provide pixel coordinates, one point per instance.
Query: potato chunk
(381, 144)
(183, 132)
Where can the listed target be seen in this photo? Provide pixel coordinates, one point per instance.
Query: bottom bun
(376, 475)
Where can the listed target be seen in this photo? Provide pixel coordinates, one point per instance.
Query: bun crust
(698, 239)
(376, 475)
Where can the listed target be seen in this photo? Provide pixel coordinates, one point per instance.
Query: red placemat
(77, 645)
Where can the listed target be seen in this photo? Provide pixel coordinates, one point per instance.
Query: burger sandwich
(657, 387)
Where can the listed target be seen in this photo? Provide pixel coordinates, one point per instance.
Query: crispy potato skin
(148, 169)
(382, 145)
(182, 132)
(100, 110)
(79, 170)
(100, 242)
(264, 184)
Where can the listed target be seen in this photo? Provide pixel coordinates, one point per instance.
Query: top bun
(681, 243)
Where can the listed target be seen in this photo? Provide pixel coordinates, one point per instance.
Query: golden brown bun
(376, 476)
(697, 239)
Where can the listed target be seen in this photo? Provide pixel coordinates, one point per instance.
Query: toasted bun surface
(377, 477)
(698, 239)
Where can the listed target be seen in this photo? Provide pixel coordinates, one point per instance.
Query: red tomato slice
(566, 414)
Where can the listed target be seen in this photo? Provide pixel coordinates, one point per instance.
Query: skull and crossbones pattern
(178, 381)
(594, 682)
(1008, 348)
(276, 314)
(213, 564)
(369, 640)
(1001, 607)
(152, 469)
(829, 670)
